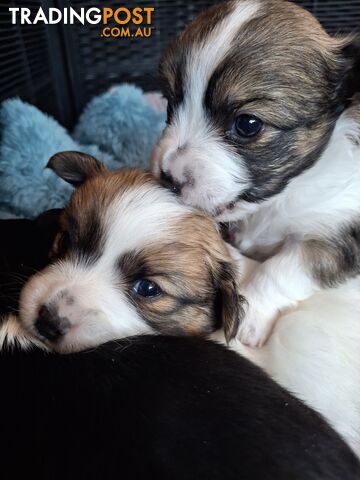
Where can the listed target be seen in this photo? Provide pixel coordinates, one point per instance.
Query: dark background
(60, 67)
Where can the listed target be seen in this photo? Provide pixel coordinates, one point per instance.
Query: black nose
(50, 325)
(168, 182)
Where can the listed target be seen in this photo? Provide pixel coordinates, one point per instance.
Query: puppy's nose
(168, 182)
(50, 325)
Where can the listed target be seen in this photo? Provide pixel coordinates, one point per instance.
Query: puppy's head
(254, 88)
(129, 259)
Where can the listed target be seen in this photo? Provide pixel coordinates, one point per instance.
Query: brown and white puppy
(129, 259)
(258, 135)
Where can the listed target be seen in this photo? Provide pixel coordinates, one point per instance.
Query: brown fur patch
(102, 188)
(333, 259)
(82, 220)
(172, 62)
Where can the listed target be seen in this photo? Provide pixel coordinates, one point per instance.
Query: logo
(119, 22)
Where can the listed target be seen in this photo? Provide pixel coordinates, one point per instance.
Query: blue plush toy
(119, 127)
(123, 123)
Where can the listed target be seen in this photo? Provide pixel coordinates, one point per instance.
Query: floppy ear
(351, 75)
(229, 303)
(75, 167)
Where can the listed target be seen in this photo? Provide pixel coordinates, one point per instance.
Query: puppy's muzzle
(50, 325)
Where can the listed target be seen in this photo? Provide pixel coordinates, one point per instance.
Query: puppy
(158, 407)
(259, 135)
(129, 259)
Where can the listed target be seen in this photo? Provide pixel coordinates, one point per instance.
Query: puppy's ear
(75, 167)
(229, 303)
(351, 73)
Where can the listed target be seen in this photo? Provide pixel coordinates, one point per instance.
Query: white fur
(190, 141)
(314, 352)
(99, 308)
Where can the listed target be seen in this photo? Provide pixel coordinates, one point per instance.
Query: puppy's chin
(80, 340)
(87, 335)
(214, 206)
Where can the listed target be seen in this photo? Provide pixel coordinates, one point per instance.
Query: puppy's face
(254, 88)
(129, 259)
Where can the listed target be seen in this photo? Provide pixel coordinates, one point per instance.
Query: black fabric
(158, 408)
(24, 248)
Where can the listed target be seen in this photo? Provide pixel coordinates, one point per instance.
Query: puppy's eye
(146, 288)
(247, 126)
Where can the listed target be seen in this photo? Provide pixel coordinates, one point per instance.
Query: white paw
(257, 324)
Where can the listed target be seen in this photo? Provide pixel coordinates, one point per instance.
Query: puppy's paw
(257, 324)
(254, 332)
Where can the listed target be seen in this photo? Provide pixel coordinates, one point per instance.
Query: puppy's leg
(276, 285)
(259, 283)
(295, 273)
